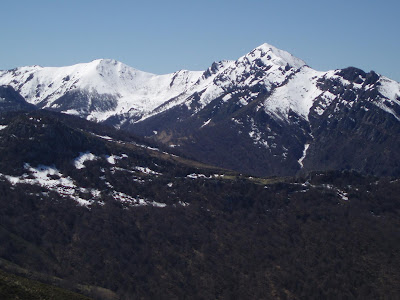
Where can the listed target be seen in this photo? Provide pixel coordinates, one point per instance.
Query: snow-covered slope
(297, 95)
(128, 89)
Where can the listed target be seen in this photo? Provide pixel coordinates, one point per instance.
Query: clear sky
(165, 36)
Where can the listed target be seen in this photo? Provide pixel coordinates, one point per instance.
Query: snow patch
(342, 195)
(132, 201)
(148, 171)
(105, 137)
(79, 162)
(111, 159)
(206, 123)
(147, 147)
(73, 112)
(226, 97)
(198, 176)
(256, 135)
(53, 180)
(304, 155)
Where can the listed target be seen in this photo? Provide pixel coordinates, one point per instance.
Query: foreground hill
(93, 206)
(81, 160)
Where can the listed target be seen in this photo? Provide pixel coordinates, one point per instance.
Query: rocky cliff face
(359, 129)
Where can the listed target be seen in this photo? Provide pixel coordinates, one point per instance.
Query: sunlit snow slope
(120, 88)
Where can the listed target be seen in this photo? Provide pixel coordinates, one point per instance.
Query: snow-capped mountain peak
(98, 89)
(270, 54)
(260, 70)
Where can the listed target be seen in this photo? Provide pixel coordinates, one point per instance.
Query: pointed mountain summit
(268, 53)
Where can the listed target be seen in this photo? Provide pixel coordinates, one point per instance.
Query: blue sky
(166, 36)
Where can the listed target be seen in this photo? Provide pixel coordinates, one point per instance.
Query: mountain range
(267, 113)
(120, 184)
